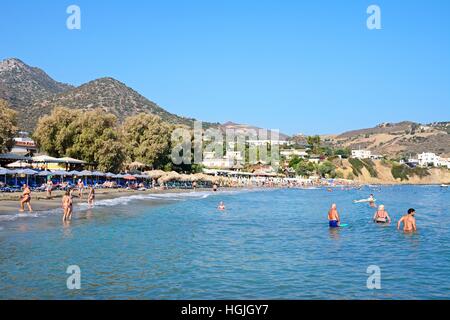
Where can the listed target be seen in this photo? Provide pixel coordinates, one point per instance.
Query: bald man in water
(333, 217)
(409, 222)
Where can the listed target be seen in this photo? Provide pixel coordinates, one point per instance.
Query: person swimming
(409, 221)
(381, 215)
(333, 217)
(221, 206)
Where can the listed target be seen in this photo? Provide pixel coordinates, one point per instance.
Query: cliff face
(384, 174)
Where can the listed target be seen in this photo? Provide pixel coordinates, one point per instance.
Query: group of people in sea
(381, 216)
(67, 199)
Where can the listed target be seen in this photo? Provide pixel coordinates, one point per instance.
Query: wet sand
(9, 202)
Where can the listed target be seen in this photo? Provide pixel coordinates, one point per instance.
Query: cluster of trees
(97, 137)
(8, 126)
(305, 168)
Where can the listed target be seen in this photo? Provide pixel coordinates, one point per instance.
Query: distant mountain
(109, 94)
(21, 85)
(33, 93)
(249, 128)
(403, 138)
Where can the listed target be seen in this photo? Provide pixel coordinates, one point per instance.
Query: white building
(232, 159)
(429, 159)
(361, 154)
(289, 153)
(269, 142)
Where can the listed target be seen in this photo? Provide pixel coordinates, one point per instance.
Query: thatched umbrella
(136, 165)
(155, 174)
(171, 176)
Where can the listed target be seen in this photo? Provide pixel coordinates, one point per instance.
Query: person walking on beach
(333, 217)
(80, 185)
(381, 216)
(67, 205)
(49, 188)
(91, 196)
(409, 221)
(25, 199)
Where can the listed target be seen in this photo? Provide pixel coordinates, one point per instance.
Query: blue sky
(297, 66)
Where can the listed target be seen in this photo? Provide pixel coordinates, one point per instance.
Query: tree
(91, 136)
(343, 152)
(52, 133)
(8, 126)
(147, 139)
(327, 169)
(314, 143)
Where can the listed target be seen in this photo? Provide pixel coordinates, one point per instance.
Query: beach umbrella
(110, 175)
(26, 172)
(155, 174)
(44, 173)
(136, 165)
(129, 177)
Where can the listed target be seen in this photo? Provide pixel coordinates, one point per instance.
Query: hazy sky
(297, 66)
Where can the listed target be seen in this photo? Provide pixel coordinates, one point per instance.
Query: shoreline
(9, 203)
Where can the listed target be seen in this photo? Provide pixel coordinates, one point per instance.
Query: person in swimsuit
(221, 206)
(381, 216)
(91, 197)
(25, 199)
(66, 204)
(333, 217)
(80, 188)
(409, 221)
(49, 188)
(371, 201)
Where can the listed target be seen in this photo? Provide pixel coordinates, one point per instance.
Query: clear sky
(298, 66)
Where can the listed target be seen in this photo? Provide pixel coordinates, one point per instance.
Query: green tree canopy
(147, 139)
(91, 136)
(8, 126)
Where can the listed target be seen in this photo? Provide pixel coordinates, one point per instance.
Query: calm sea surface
(270, 244)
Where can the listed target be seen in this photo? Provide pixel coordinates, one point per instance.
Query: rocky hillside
(386, 172)
(396, 139)
(245, 129)
(21, 85)
(109, 94)
(33, 93)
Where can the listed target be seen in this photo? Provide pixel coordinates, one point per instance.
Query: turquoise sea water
(269, 244)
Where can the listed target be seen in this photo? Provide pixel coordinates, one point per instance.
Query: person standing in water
(91, 196)
(221, 206)
(333, 217)
(371, 200)
(66, 205)
(80, 188)
(409, 221)
(25, 199)
(381, 216)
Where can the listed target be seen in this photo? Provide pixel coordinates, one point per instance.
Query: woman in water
(91, 197)
(67, 205)
(25, 199)
(221, 206)
(381, 216)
